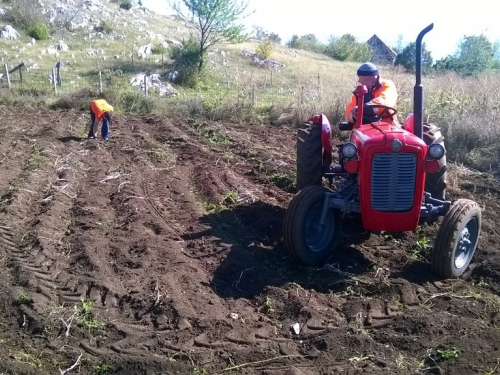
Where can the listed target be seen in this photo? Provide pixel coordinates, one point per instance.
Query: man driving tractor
(380, 91)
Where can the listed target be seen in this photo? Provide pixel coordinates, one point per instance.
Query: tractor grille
(393, 182)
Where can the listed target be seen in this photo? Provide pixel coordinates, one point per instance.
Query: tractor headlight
(436, 151)
(349, 150)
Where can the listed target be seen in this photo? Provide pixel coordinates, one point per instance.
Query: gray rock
(8, 32)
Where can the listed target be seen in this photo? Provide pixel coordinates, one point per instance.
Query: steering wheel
(386, 110)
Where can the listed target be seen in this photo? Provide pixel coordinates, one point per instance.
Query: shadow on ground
(257, 258)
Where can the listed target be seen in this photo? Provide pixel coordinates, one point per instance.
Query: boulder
(8, 32)
(145, 51)
(61, 46)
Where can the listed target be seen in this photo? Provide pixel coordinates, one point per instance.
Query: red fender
(326, 138)
(409, 124)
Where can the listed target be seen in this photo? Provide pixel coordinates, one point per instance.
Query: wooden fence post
(100, 82)
(54, 80)
(145, 85)
(58, 73)
(7, 74)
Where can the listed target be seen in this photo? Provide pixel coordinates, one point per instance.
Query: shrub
(264, 49)
(39, 30)
(159, 50)
(186, 61)
(105, 27)
(137, 103)
(126, 4)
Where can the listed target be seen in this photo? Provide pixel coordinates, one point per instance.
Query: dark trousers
(104, 128)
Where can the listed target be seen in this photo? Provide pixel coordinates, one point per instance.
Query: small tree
(347, 48)
(39, 31)
(307, 42)
(214, 21)
(475, 55)
(406, 58)
(186, 59)
(265, 48)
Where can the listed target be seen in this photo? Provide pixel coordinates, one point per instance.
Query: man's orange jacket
(100, 106)
(384, 92)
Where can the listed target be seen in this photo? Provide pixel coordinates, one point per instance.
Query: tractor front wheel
(457, 239)
(309, 155)
(305, 238)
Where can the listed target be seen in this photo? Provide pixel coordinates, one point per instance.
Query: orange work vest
(384, 93)
(100, 106)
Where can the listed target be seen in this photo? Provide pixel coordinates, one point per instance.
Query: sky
(391, 20)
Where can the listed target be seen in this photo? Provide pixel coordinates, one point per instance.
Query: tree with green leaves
(214, 21)
(307, 42)
(407, 58)
(475, 55)
(347, 48)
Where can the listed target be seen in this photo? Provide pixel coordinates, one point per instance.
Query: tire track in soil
(130, 330)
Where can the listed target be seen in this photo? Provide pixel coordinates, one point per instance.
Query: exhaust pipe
(418, 91)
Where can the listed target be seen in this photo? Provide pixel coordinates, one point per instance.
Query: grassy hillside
(233, 88)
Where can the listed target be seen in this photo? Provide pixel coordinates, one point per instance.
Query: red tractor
(393, 176)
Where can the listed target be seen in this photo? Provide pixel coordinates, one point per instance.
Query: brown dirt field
(171, 236)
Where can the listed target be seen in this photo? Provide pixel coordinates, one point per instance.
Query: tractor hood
(386, 138)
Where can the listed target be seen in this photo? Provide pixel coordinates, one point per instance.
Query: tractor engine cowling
(391, 175)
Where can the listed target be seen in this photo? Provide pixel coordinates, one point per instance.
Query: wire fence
(262, 87)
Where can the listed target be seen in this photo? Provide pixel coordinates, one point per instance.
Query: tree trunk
(200, 65)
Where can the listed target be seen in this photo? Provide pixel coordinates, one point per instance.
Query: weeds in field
(209, 206)
(401, 362)
(448, 353)
(212, 135)
(23, 299)
(86, 315)
(102, 369)
(199, 371)
(421, 248)
(30, 359)
(35, 158)
(230, 198)
(358, 358)
(269, 305)
(284, 182)
(228, 156)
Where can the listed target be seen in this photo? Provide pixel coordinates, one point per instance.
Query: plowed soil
(160, 252)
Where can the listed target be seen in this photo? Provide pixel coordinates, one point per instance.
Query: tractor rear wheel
(435, 183)
(309, 155)
(457, 239)
(305, 238)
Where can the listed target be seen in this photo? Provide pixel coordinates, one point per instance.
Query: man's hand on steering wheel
(369, 115)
